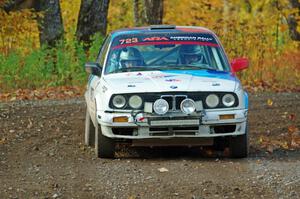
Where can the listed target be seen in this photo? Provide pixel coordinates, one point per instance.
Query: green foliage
(9, 69)
(96, 44)
(44, 67)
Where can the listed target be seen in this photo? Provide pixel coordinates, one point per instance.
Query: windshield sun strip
(166, 42)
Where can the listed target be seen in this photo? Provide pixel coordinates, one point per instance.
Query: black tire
(89, 134)
(239, 145)
(104, 146)
(220, 143)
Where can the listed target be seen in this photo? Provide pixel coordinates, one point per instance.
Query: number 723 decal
(128, 40)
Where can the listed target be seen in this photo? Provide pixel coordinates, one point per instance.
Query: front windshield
(148, 52)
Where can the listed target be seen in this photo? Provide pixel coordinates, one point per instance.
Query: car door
(94, 80)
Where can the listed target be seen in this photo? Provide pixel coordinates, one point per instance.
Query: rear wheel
(89, 134)
(104, 146)
(239, 145)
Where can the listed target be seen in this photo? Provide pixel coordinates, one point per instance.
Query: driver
(130, 57)
(191, 54)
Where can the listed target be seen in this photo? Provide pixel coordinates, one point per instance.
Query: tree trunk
(292, 22)
(225, 16)
(50, 24)
(248, 6)
(92, 19)
(14, 5)
(136, 12)
(153, 11)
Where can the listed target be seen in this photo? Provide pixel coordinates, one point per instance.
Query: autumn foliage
(254, 29)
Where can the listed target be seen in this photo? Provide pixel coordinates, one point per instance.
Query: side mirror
(93, 68)
(239, 64)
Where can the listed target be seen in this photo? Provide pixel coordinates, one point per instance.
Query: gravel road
(42, 156)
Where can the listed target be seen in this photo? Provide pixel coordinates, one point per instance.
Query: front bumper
(205, 124)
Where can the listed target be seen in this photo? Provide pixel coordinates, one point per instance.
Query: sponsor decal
(156, 39)
(129, 40)
(191, 38)
(139, 74)
(104, 89)
(173, 87)
(131, 86)
(162, 76)
(173, 80)
(216, 84)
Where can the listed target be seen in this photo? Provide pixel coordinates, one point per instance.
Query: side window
(103, 51)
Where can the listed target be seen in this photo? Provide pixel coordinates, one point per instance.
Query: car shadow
(198, 153)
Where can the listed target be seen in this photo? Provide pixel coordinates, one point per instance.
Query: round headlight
(119, 101)
(228, 100)
(135, 101)
(161, 106)
(212, 100)
(188, 106)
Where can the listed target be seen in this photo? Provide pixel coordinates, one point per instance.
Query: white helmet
(131, 56)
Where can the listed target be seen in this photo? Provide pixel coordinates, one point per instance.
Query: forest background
(265, 31)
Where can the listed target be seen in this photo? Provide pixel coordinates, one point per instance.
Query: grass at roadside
(44, 67)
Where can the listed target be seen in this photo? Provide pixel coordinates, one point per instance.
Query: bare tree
(248, 6)
(292, 22)
(50, 24)
(136, 13)
(153, 11)
(92, 19)
(13, 5)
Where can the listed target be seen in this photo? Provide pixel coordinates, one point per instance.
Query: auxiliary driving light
(188, 106)
(161, 106)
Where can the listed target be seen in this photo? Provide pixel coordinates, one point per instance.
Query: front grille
(169, 131)
(174, 101)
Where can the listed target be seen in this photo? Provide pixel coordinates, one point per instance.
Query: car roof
(161, 29)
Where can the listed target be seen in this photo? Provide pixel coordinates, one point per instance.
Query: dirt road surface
(42, 156)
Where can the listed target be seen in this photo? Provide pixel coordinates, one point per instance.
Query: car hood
(170, 81)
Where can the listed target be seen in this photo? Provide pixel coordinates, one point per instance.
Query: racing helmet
(190, 54)
(130, 57)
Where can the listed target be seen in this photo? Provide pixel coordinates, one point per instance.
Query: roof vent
(158, 27)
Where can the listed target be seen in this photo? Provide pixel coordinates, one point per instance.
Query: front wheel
(89, 134)
(104, 146)
(239, 145)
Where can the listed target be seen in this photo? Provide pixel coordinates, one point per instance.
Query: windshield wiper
(135, 68)
(185, 66)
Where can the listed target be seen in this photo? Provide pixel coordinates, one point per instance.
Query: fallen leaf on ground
(163, 169)
(270, 148)
(292, 117)
(270, 102)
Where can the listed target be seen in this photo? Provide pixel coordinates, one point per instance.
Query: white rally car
(165, 86)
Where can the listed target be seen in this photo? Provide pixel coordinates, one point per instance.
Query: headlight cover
(188, 106)
(119, 101)
(228, 100)
(212, 100)
(135, 101)
(161, 106)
